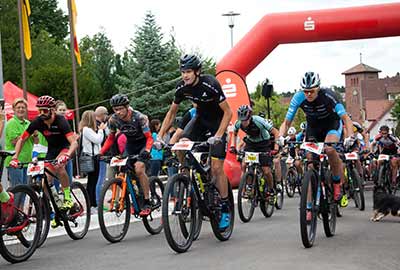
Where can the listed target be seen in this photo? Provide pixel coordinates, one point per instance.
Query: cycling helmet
(384, 128)
(357, 127)
(244, 112)
(119, 100)
(46, 102)
(291, 131)
(189, 61)
(310, 80)
(303, 125)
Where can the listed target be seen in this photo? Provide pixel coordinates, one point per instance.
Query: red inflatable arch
(295, 27)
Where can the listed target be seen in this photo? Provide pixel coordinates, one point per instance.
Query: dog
(384, 204)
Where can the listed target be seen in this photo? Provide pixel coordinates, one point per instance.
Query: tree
(396, 115)
(45, 15)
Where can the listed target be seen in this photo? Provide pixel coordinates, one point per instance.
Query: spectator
(156, 155)
(101, 115)
(91, 144)
(61, 109)
(14, 129)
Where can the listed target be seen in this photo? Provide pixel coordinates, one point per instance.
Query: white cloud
(200, 25)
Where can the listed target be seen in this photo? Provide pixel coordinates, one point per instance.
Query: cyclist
(62, 143)
(302, 133)
(258, 132)
(212, 116)
(387, 145)
(323, 115)
(135, 126)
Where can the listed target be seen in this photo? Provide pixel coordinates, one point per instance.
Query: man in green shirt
(14, 129)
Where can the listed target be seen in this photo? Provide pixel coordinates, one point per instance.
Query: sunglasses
(309, 92)
(43, 110)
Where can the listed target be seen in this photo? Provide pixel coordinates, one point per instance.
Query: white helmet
(291, 131)
(303, 125)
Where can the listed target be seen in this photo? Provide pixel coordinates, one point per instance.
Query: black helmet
(119, 100)
(384, 128)
(189, 61)
(244, 112)
(357, 127)
(310, 80)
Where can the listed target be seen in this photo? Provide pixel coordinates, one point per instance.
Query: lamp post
(231, 16)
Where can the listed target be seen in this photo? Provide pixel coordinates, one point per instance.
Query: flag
(26, 12)
(73, 29)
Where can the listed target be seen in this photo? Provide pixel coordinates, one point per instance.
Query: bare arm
(225, 119)
(284, 128)
(72, 139)
(348, 125)
(168, 120)
(18, 146)
(275, 132)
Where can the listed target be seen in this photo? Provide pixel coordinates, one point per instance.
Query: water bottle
(262, 184)
(135, 187)
(56, 196)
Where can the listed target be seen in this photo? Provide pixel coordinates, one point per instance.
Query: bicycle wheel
(19, 237)
(280, 194)
(247, 196)
(77, 219)
(114, 211)
(328, 212)
(290, 184)
(308, 228)
(179, 213)
(358, 190)
(266, 206)
(223, 235)
(199, 221)
(45, 206)
(153, 222)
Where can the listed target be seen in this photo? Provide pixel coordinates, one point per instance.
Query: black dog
(385, 204)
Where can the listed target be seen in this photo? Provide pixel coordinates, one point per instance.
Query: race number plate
(312, 147)
(35, 168)
(117, 162)
(183, 145)
(351, 156)
(383, 157)
(251, 157)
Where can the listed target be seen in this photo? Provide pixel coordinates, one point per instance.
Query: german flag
(26, 12)
(73, 29)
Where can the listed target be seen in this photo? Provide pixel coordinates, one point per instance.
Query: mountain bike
(253, 188)
(20, 221)
(355, 188)
(190, 191)
(123, 196)
(76, 220)
(317, 191)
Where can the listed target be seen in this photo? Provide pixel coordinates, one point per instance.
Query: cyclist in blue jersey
(324, 116)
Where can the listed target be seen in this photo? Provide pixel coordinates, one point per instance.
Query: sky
(199, 26)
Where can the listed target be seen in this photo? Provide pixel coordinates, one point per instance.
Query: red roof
(375, 109)
(361, 68)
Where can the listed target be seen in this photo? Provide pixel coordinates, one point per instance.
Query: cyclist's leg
(335, 162)
(278, 168)
(140, 171)
(394, 167)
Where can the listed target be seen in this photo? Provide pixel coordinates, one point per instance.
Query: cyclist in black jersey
(62, 142)
(324, 115)
(135, 126)
(212, 116)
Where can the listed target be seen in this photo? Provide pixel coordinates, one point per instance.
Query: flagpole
(74, 81)
(21, 46)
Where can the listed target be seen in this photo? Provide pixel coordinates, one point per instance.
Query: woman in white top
(91, 145)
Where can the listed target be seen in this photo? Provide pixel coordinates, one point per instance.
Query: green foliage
(396, 115)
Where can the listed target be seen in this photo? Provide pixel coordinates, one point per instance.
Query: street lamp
(231, 15)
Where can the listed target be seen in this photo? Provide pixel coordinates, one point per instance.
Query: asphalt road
(272, 243)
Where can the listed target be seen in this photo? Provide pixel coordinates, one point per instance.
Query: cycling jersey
(300, 136)
(56, 135)
(323, 114)
(258, 129)
(388, 144)
(322, 111)
(136, 131)
(207, 94)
